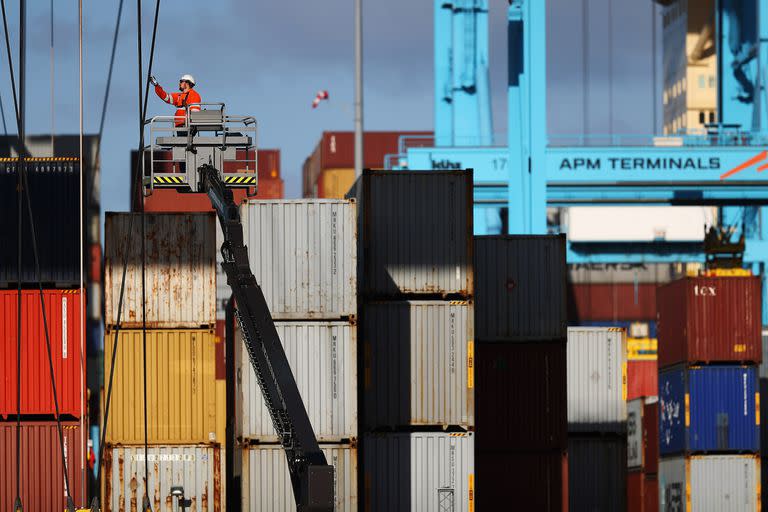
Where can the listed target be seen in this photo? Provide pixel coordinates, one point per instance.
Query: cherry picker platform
(195, 157)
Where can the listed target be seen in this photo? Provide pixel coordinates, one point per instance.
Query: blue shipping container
(709, 409)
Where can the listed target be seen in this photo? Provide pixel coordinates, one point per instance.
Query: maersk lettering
(633, 164)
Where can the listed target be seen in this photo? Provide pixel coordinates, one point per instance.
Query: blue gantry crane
(516, 181)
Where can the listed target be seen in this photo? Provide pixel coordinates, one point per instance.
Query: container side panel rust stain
(180, 270)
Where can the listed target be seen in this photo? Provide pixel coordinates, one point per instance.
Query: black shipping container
(54, 194)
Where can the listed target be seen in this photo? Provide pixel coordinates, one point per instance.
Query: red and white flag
(321, 95)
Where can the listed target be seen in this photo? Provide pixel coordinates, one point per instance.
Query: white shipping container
(417, 233)
(639, 223)
(420, 472)
(419, 363)
(597, 379)
(180, 270)
(710, 483)
(303, 254)
(323, 358)
(520, 288)
(198, 469)
(266, 484)
(635, 433)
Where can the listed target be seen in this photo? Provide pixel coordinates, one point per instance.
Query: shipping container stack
(303, 254)
(643, 454)
(597, 418)
(709, 419)
(186, 406)
(417, 338)
(329, 171)
(53, 184)
(520, 320)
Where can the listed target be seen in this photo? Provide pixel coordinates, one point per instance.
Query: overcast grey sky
(269, 58)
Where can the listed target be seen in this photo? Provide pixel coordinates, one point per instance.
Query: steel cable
(23, 191)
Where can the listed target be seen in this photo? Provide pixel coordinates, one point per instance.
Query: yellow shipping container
(335, 183)
(186, 404)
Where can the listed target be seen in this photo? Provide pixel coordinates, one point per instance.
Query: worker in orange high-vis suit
(186, 96)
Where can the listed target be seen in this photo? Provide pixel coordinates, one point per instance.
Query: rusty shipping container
(420, 472)
(54, 191)
(180, 270)
(186, 404)
(710, 319)
(611, 302)
(597, 379)
(642, 492)
(521, 399)
(62, 308)
(303, 254)
(524, 480)
(266, 484)
(323, 358)
(419, 364)
(199, 470)
(42, 476)
(416, 233)
(520, 287)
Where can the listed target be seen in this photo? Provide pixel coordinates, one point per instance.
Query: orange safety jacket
(181, 100)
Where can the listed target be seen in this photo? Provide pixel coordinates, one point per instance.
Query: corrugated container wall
(304, 256)
(520, 287)
(642, 492)
(642, 434)
(323, 358)
(199, 470)
(610, 273)
(180, 269)
(611, 302)
(596, 379)
(266, 484)
(522, 480)
(710, 483)
(521, 399)
(54, 186)
(62, 311)
(185, 404)
(424, 472)
(417, 233)
(42, 477)
(642, 379)
(337, 150)
(710, 319)
(596, 473)
(419, 368)
(709, 409)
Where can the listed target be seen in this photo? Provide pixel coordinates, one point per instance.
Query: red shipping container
(651, 493)
(95, 260)
(64, 327)
(710, 319)
(267, 165)
(337, 150)
(42, 476)
(520, 396)
(642, 379)
(522, 481)
(635, 493)
(611, 302)
(651, 437)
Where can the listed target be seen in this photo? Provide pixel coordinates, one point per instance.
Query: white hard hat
(188, 78)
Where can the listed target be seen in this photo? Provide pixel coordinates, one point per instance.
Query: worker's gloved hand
(153, 80)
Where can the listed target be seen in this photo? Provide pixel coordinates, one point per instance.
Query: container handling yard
(569, 315)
